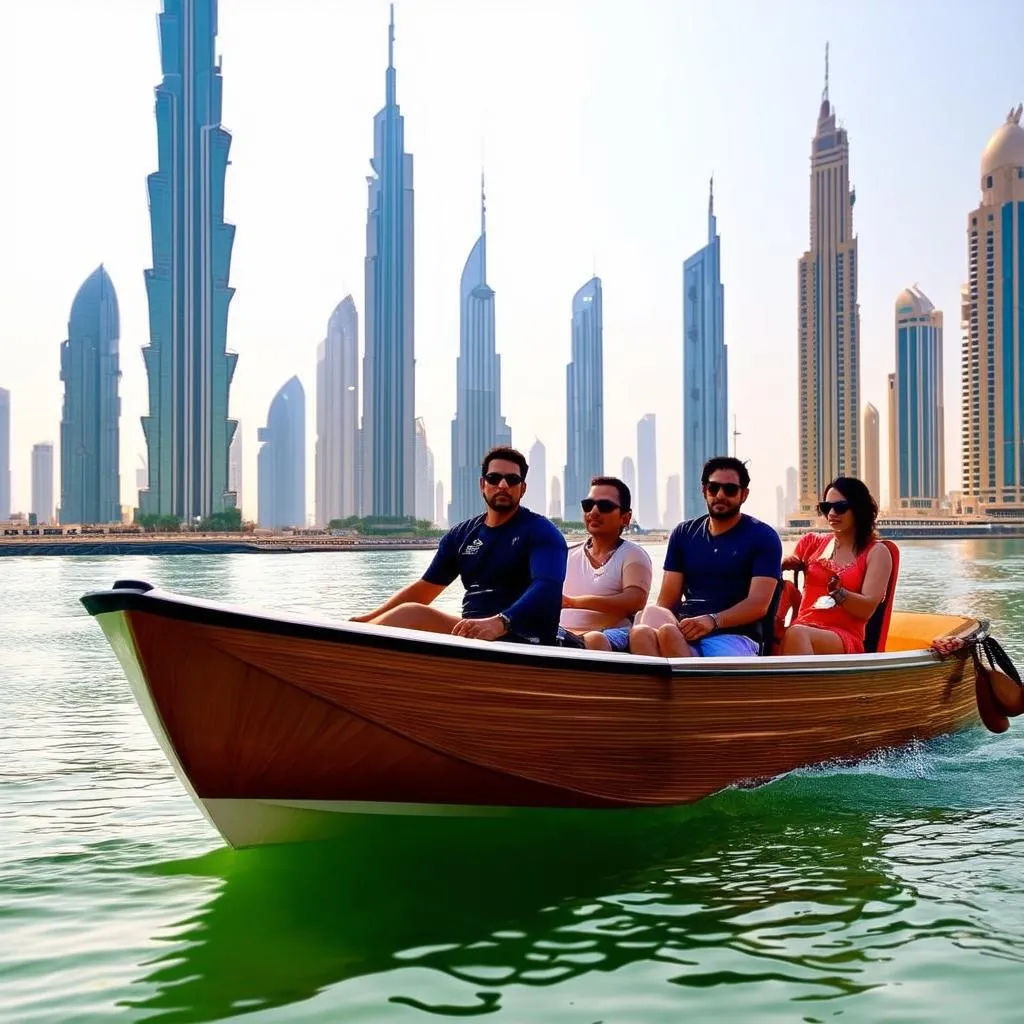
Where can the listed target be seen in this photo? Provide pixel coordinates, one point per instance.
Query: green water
(886, 891)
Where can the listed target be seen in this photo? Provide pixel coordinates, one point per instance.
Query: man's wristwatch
(714, 618)
(505, 621)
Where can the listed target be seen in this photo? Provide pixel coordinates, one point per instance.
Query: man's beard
(508, 506)
(719, 514)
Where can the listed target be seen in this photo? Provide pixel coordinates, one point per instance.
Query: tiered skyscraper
(235, 465)
(337, 415)
(646, 500)
(584, 396)
(705, 364)
(388, 432)
(478, 423)
(5, 454)
(281, 462)
(917, 459)
(90, 453)
(187, 431)
(993, 322)
(829, 329)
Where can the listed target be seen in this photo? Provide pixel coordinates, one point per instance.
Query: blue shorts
(724, 645)
(618, 637)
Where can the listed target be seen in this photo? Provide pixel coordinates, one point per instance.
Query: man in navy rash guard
(511, 561)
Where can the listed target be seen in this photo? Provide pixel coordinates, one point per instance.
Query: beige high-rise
(829, 329)
(992, 361)
(871, 453)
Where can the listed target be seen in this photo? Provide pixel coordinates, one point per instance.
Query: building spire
(824, 94)
(711, 195)
(390, 77)
(483, 204)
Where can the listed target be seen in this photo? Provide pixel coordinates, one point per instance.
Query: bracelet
(840, 594)
(714, 618)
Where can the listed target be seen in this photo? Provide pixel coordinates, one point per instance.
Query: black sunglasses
(603, 505)
(512, 479)
(729, 490)
(839, 507)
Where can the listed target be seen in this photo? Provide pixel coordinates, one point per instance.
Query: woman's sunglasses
(512, 479)
(729, 490)
(839, 507)
(603, 505)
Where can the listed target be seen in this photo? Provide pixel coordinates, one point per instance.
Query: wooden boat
(272, 720)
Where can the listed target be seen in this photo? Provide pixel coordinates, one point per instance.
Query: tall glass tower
(281, 462)
(992, 315)
(388, 431)
(478, 423)
(5, 454)
(705, 364)
(90, 479)
(584, 397)
(829, 318)
(187, 431)
(918, 477)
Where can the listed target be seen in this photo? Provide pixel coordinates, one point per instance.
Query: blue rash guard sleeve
(536, 612)
(444, 568)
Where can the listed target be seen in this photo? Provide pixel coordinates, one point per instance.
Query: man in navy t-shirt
(721, 571)
(511, 562)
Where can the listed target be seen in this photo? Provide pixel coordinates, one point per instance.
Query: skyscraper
(337, 415)
(388, 433)
(424, 498)
(993, 321)
(791, 490)
(829, 328)
(235, 465)
(439, 519)
(187, 431)
(538, 478)
(918, 426)
(647, 472)
(673, 502)
(705, 364)
(5, 454)
(90, 454)
(281, 463)
(629, 476)
(584, 394)
(42, 482)
(780, 506)
(555, 508)
(872, 454)
(478, 423)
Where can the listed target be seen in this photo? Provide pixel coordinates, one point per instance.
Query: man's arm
(419, 592)
(671, 592)
(548, 555)
(442, 570)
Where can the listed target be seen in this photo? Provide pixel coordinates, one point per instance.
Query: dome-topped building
(992, 363)
(1006, 147)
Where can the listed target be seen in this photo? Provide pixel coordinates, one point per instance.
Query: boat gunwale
(138, 597)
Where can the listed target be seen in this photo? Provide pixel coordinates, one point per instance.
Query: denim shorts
(724, 645)
(618, 637)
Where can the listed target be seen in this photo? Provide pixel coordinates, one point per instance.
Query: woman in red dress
(846, 572)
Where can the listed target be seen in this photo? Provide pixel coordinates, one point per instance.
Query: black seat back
(764, 645)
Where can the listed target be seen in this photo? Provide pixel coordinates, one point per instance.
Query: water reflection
(745, 888)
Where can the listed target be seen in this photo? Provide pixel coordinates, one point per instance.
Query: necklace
(599, 561)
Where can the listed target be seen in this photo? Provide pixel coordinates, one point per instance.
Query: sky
(598, 123)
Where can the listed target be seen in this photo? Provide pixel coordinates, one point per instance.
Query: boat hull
(275, 724)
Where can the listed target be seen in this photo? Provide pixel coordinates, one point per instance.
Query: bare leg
(672, 643)
(811, 640)
(595, 640)
(417, 616)
(643, 640)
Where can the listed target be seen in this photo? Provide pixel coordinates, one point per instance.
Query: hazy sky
(599, 123)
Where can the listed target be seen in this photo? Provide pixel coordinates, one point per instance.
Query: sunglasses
(729, 490)
(512, 479)
(603, 505)
(839, 507)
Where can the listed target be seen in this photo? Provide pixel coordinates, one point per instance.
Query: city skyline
(634, 347)
(281, 468)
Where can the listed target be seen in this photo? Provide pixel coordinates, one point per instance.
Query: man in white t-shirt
(607, 579)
